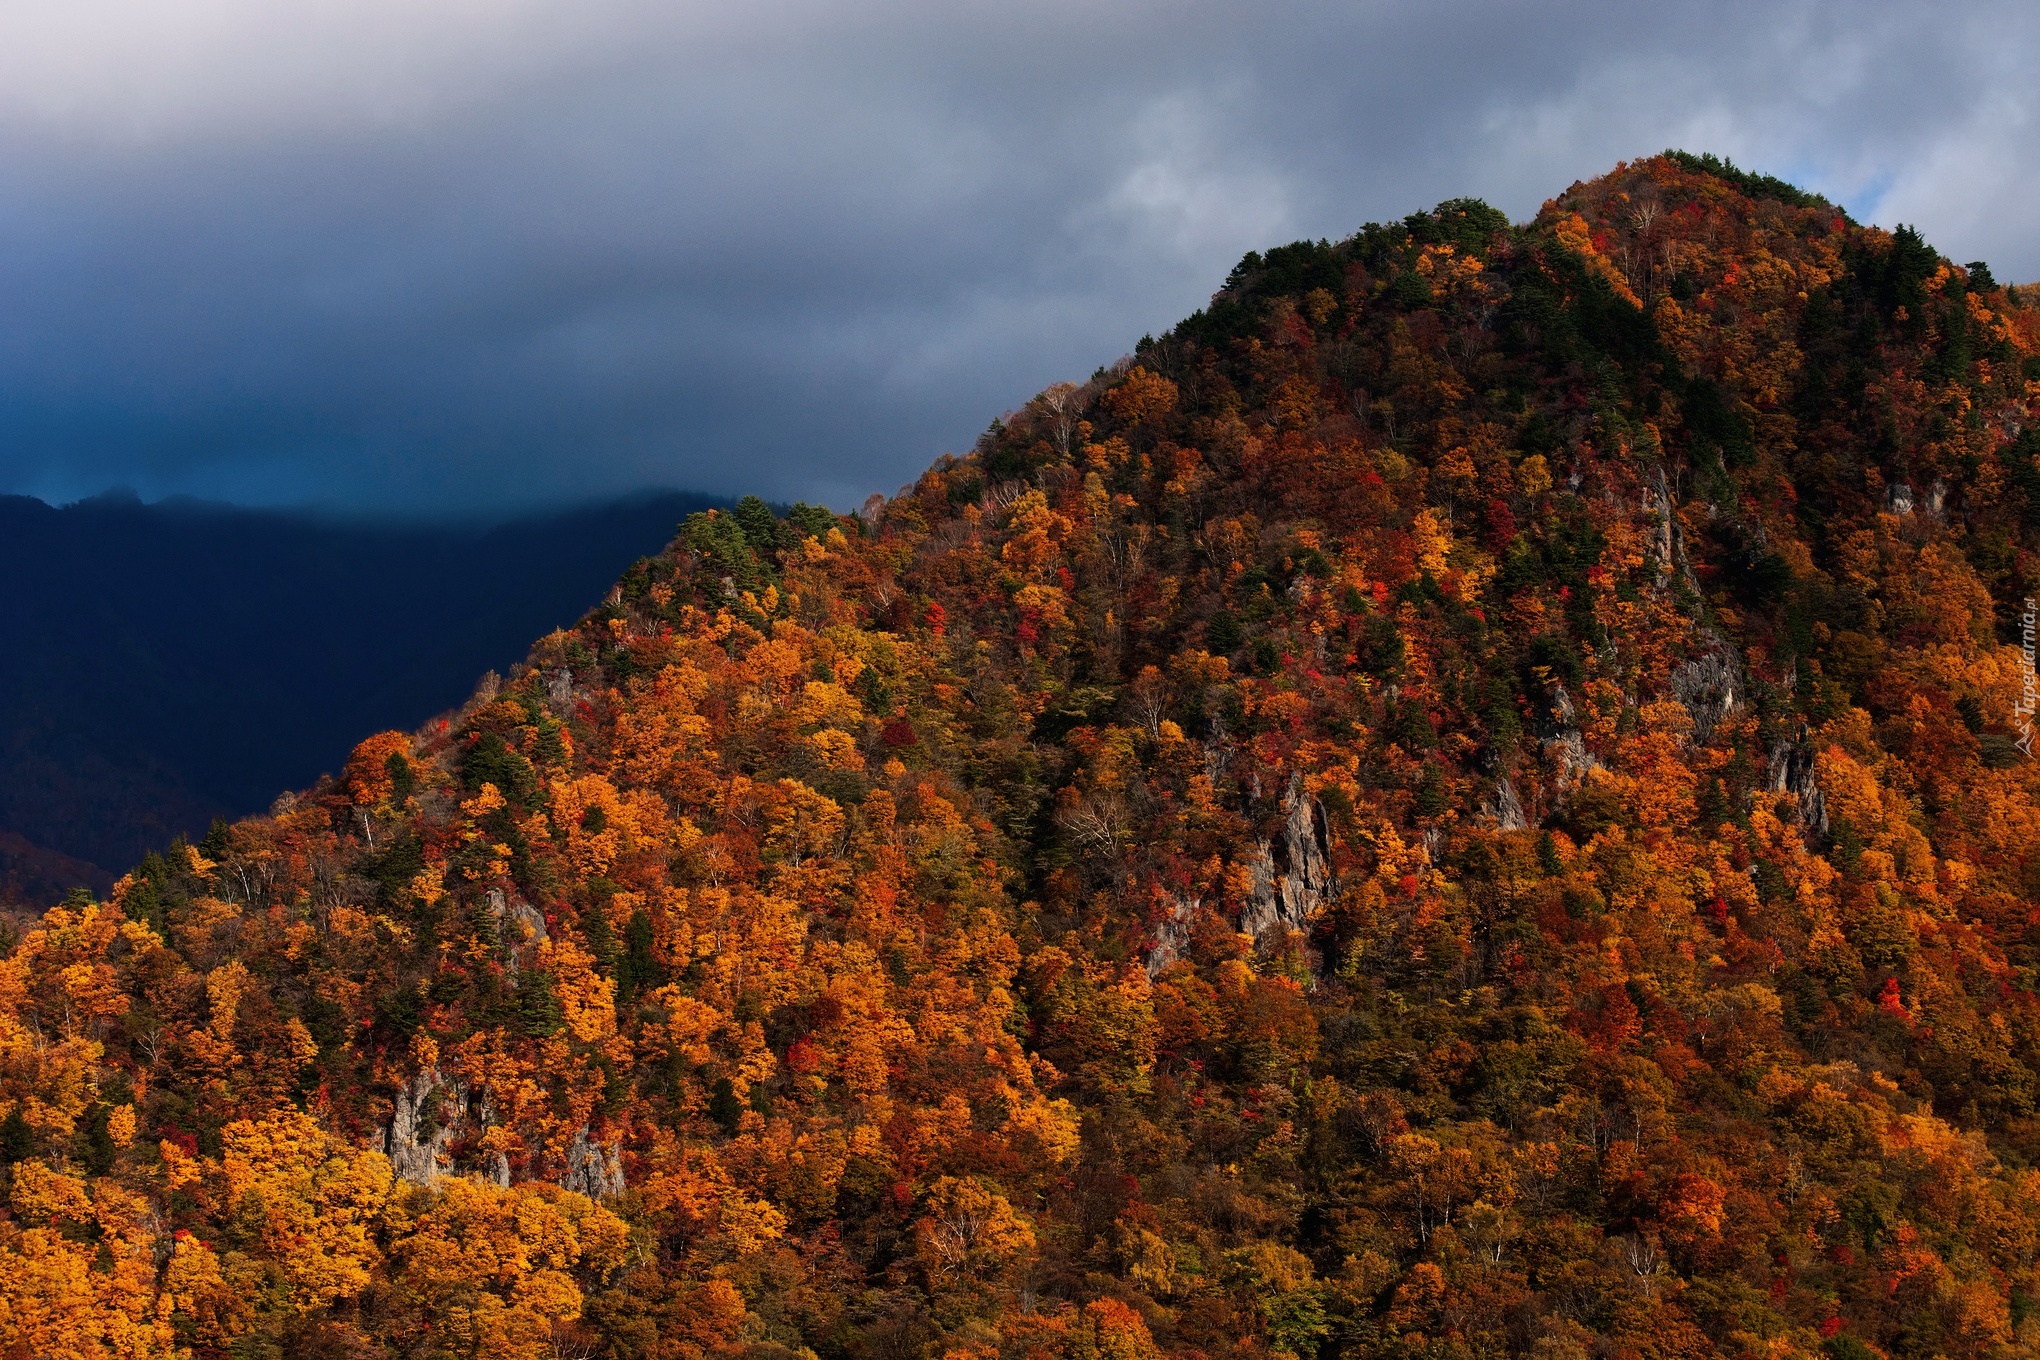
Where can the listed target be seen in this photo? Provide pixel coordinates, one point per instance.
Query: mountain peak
(1470, 798)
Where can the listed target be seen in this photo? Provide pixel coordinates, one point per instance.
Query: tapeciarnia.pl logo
(2029, 697)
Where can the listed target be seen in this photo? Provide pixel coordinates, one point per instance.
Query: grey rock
(1293, 873)
(453, 1112)
(1710, 686)
(518, 924)
(1217, 754)
(1505, 806)
(1559, 734)
(1791, 771)
(1568, 751)
(1172, 935)
(529, 917)
(1663, 553)
(529, 920)
(415, 1155)
(1898, 498)
(1563, 711)
(593, 1169)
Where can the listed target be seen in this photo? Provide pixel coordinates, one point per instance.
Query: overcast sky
(429, 255)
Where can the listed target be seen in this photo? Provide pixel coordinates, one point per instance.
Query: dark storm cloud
(457, 254)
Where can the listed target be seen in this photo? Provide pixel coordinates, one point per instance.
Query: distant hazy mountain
(172, 663)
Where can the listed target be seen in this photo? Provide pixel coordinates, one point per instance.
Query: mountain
(29, 873)
(1472, 799)
(181, 662)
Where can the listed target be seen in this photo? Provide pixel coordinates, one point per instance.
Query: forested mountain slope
(1466, 801)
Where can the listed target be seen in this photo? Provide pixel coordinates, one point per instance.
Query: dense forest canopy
(1471, 799)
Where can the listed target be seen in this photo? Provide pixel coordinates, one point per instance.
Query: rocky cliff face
(519, 927)
(434, 1116)
(1791, 771)
(418, 1137)
(593, 1170)
(1292, 874)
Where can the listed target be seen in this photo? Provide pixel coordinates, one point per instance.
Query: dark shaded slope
(174, 663)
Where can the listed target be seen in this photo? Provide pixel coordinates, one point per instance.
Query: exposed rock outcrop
(1791, 771)
(1172, 935)
(559, 690)
(416, 1140)
(1564, 745)
(1504, 807)
(434, 1114)
(1657, 502)
(1564, 713)
(1292, 873)
(1569, 751)
(526, 922)
(593, 1169)
(518, 925)
(1710, 686)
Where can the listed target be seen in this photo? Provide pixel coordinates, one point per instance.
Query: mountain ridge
(1463, 801)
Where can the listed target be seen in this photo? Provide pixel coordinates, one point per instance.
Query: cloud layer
(448, 254)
